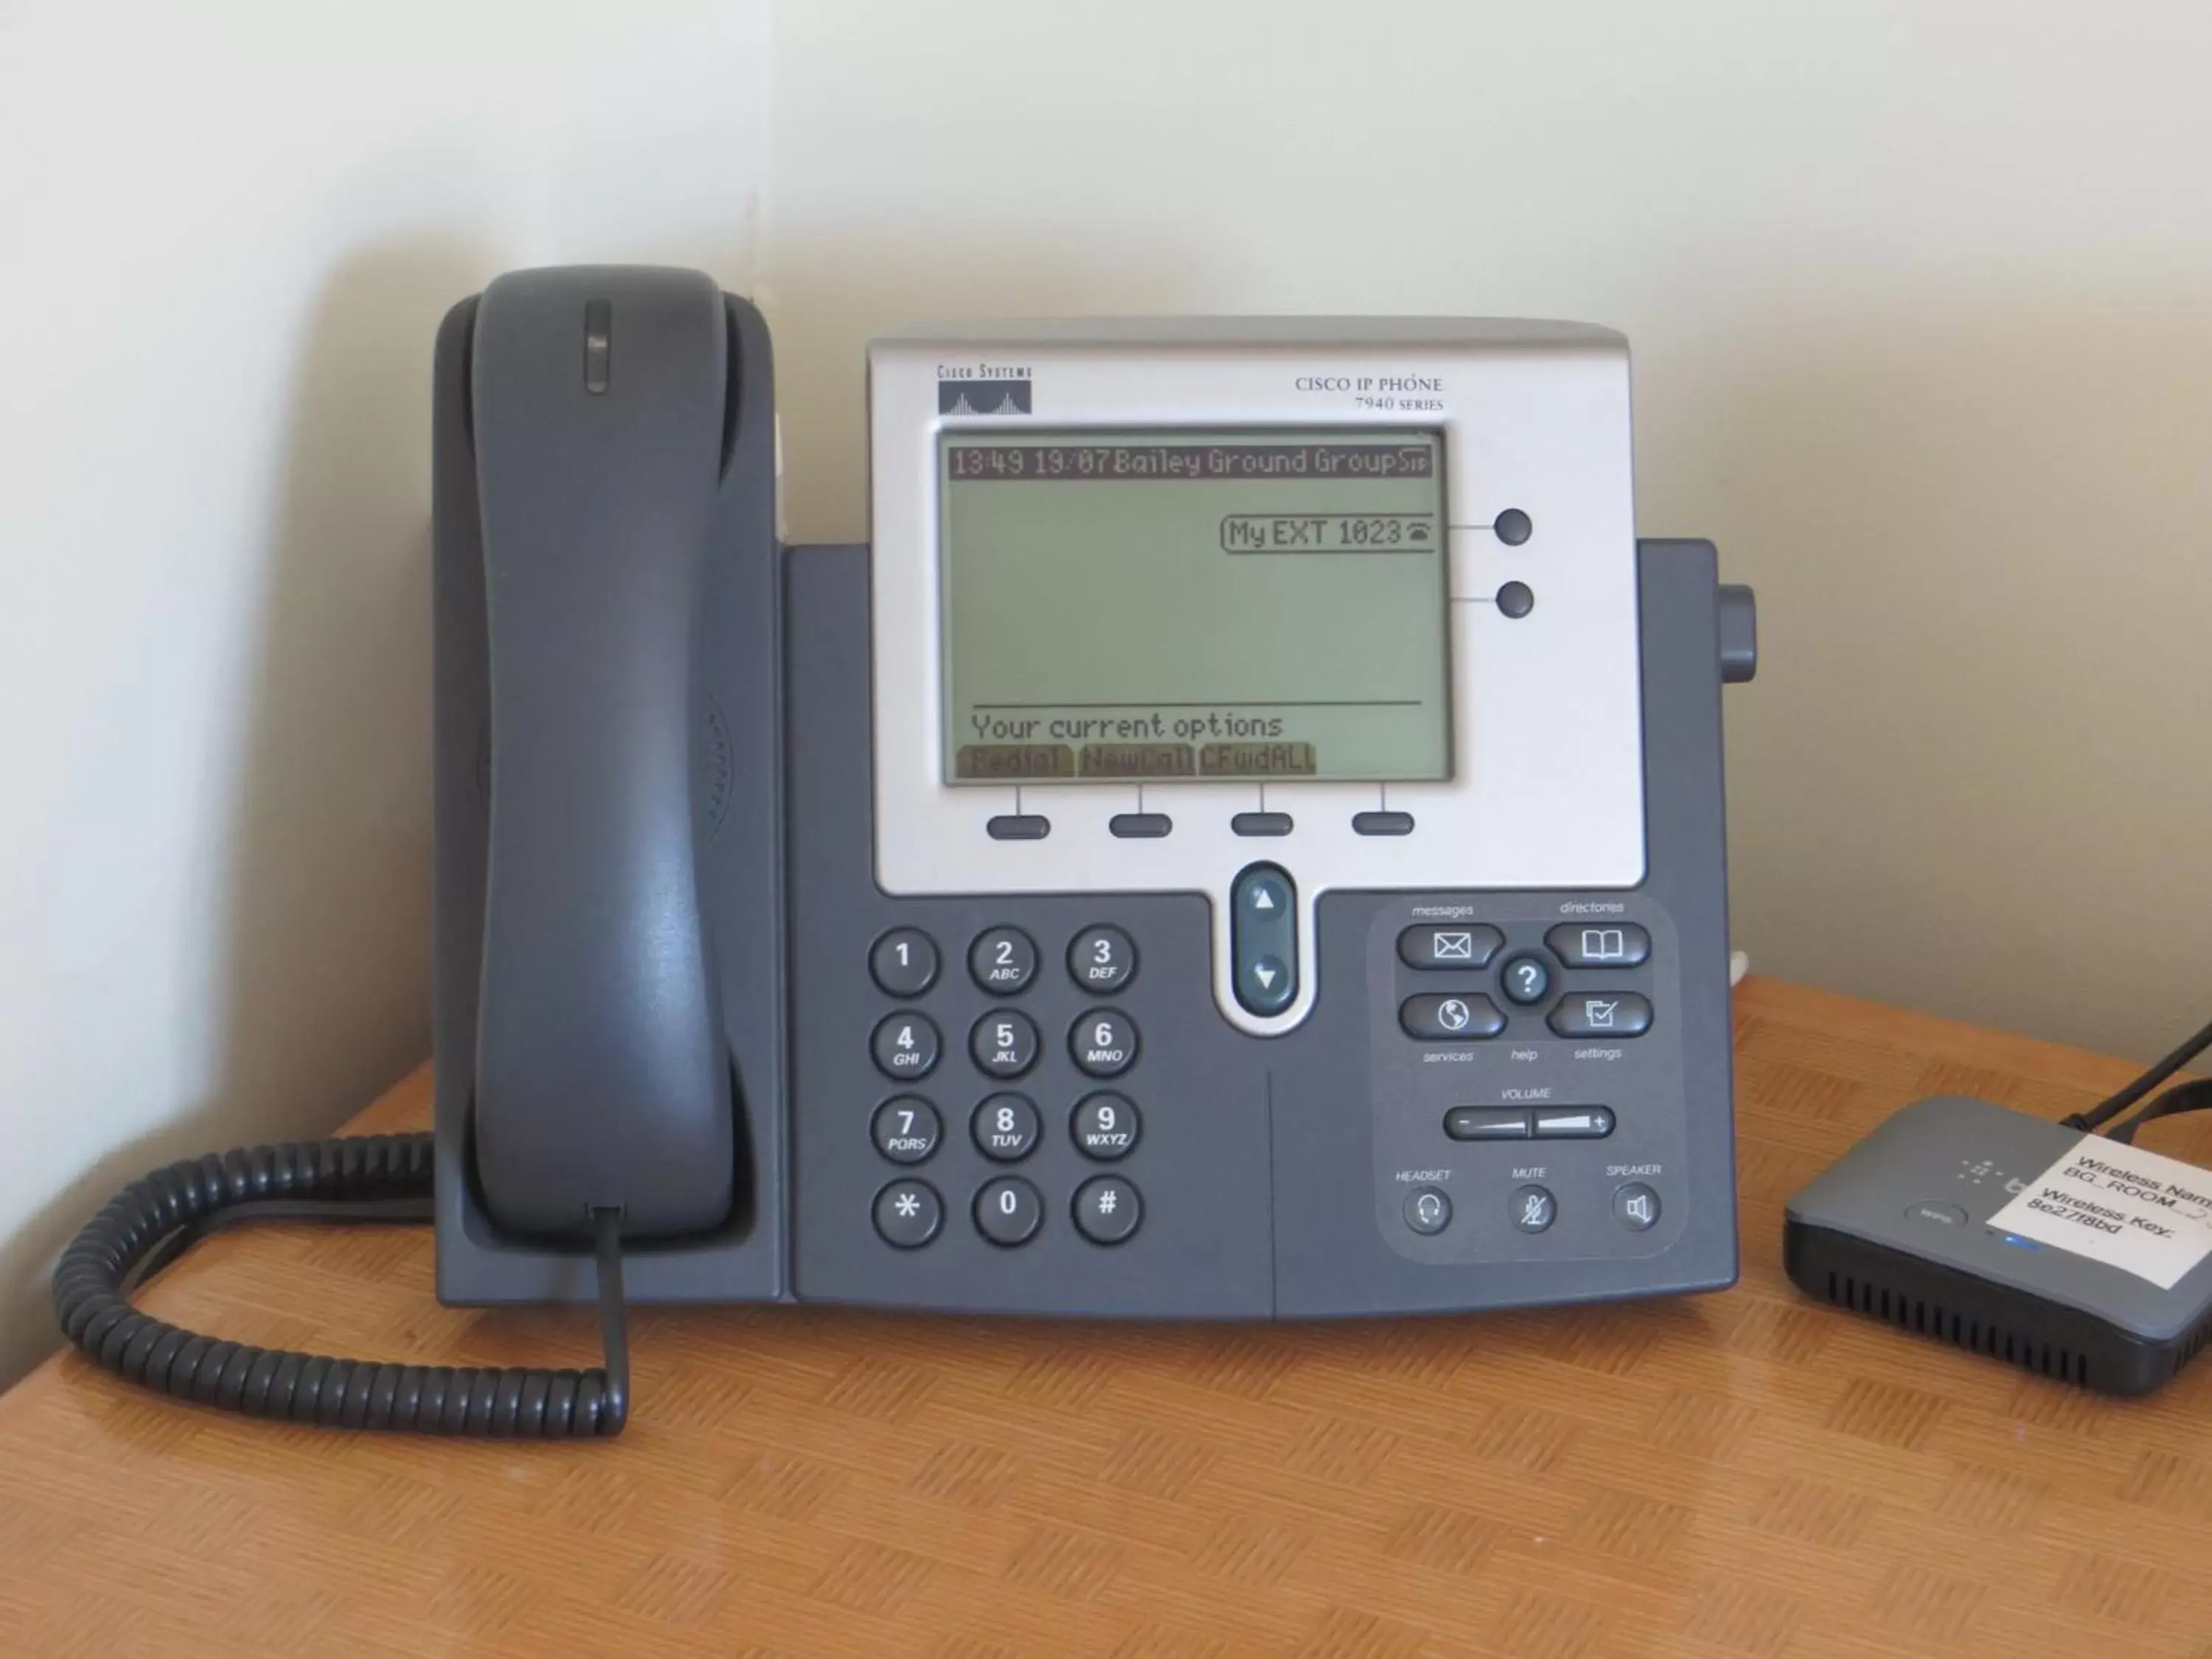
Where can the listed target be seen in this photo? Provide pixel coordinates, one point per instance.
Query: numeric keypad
(1004, 1042)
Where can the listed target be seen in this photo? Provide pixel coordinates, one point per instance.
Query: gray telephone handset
(602, 1073)
(1244, 840)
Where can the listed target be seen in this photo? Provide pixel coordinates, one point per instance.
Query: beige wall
(1921, 297)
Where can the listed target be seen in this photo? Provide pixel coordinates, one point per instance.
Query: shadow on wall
(824, 301)
(319, 922)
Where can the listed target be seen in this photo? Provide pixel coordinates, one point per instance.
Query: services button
(1463, 1019)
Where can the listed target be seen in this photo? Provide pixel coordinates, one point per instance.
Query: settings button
(1464, 1018)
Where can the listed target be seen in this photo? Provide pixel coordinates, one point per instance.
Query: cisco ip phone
(1243, 840)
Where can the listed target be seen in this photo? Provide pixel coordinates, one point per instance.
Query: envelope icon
(1454, 947)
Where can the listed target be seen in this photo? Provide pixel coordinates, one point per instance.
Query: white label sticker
(2143, 1214)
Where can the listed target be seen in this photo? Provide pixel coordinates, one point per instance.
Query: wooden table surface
(1746, 1474)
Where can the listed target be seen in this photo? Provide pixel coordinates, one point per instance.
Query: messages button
(1457, 946)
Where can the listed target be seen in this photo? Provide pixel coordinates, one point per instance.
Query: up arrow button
(1263, 930)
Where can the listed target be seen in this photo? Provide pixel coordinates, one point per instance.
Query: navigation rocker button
(1460, 946)
(1573, 1122)
(1602, 1014)
(907, 1214)
(1608, 945)
(1263, 935)
(1482, 1123)
(1467, 1018)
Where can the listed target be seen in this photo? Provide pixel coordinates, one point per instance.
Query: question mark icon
(1527, 979)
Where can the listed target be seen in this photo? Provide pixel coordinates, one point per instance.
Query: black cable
(2109, 1108)
(373, 1177)
(2195, 1096)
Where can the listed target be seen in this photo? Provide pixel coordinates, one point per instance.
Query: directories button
(1263, 935)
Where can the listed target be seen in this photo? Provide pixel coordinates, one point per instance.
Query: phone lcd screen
(1172, 605)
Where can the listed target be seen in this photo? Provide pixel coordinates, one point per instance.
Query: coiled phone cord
(348, 1178)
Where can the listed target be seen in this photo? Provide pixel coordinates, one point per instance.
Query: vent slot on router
(1932, 1319)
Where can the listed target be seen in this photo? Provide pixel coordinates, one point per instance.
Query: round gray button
(1935, 1210)
(1106, 1126)
(1516, 600)
(906, 1129)
(909, 1214)
(904, 1045)
(1108, 1209)
(903, 962)
(1525, 980)
(1004, 1044)
(1636, 1207)
(1102, 959)
(1005, 1128)
(1008, 1211)
(1535, 1209)
(1104, 1043)
(1512, 527)
(1428, 1210)
(1003, 960)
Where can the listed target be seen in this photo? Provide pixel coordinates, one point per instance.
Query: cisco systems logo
(1001, 394)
